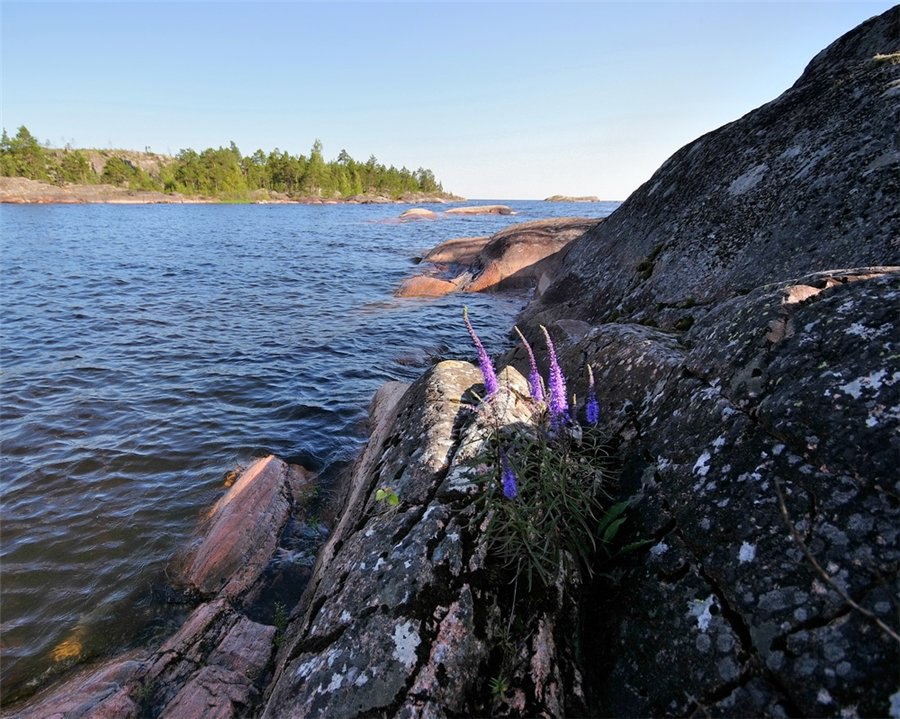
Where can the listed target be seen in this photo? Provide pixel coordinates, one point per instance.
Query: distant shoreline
(22, 191)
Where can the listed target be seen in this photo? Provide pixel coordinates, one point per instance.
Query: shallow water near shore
(149, 350)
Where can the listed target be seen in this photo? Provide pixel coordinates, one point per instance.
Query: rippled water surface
(147, 350)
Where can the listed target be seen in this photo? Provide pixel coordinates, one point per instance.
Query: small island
(569, 198)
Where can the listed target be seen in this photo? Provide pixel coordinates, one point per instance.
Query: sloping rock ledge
(524, 255)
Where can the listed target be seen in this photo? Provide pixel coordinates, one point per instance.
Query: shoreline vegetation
(31, 172)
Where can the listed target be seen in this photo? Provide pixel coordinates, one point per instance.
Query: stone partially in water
(243, 529)
(516, 257)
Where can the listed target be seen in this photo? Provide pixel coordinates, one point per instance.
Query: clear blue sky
(501, 100)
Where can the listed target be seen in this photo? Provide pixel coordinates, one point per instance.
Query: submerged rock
(480, 210)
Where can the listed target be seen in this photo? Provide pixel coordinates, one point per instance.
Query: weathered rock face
(397, 621)
(805, 183)
(523, 255)
(739, 311)
(769, 406)
(461, 251)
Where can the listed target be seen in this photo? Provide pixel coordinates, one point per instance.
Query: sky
(505, 100)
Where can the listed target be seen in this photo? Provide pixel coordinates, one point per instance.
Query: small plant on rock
(387, 496)
(545, 507)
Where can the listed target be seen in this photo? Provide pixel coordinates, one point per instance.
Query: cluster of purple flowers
(491, 385)
(557, 404)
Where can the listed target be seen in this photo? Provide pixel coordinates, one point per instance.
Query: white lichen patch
(747, 552)
(699, 609)
(867, 333)
(873, 382)
(406, 641)
(335, 683)
(750, 179)
(701, 466)
(657, 550)
(306, 668)
(894, 701)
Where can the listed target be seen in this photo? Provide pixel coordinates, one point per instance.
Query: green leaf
(393, 499)
(612, 514)
(613, 529)
(633, 546)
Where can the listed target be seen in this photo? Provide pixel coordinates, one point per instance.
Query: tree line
(223, 172)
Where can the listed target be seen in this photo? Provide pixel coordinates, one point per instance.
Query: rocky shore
(524, 255)
(739, 311)
(19, 190)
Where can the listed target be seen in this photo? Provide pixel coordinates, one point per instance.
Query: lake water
(147, 350)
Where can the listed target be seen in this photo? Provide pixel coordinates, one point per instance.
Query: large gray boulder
(808, 182)
(760, 454)
(740, 312)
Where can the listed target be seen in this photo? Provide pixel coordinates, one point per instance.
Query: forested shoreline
(222, 173)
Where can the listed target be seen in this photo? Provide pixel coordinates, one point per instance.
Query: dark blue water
(147, 350)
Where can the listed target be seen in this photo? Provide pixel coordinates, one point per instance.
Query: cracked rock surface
(742, 448)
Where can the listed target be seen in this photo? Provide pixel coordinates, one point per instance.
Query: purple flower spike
(559, 404)
(510, 485)
(593, 407)
(491, 385)
(535, 383)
